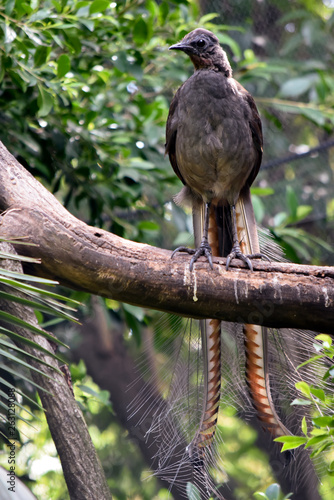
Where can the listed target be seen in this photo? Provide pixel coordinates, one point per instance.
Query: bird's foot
(203, 249)
(236, 253)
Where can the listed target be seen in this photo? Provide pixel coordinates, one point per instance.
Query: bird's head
(204, 50)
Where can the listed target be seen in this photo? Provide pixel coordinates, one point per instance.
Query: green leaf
(9, 318)
(36, 305)
(304, 388)
(292, 202)
(163, 12)
(23, 377)
(140, 31)
(9, 7)
(259, 208)
(297, 86)
(301, 402)
(273, 491)
(34, 35)
(291, 442)
(137, 312)
(121, 63)
(207, 18)
(98, 6)
(13, 347)
(41, 55)
(320, 449)
(192, 492)
(21, 258)
(148, 225)
(323, 421)
(44, 101)
(101, 396)
(326, 339)
(318, 393)
(64, 65)
(315, 115)
(280, 219)
(304, 426)
(9, 34)
(303, 211)
(79, 371)
(40, 14)
(32, 401)
(262, 191)
(31, 343)
(228, 40)
(23, 363)
(312, 360)
(316, 440)
(28, 277)
(260, 496)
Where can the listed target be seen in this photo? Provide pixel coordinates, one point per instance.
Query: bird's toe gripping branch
(203, 249)
(236, 253)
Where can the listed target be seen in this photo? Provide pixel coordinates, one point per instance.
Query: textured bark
(93, 260)
(82, 469)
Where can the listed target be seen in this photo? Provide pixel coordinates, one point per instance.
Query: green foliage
(89, 396)
(15, 362)
(273, 492)
(297, 243)
(193, 492)
(320, 436)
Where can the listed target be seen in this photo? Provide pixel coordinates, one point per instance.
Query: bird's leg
(204, 248)
(236, 252)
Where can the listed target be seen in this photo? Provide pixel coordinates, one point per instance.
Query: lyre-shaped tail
(256, 337)
(256, 342)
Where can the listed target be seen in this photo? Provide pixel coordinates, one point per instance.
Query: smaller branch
(82, 469)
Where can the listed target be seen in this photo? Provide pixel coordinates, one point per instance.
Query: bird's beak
(181, 46)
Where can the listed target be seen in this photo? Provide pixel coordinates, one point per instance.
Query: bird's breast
(214, 146)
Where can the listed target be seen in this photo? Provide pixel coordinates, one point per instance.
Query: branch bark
(81, 466)
(90, 259)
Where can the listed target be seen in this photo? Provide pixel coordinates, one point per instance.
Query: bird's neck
(217, 62)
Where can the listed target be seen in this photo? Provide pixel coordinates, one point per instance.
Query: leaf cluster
(15, 362)
(320, 400)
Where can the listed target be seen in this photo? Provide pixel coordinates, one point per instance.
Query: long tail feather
(256, 337)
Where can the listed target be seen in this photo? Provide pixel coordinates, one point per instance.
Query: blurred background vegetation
(85, 88)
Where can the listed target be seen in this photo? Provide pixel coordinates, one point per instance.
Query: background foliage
(85, 88)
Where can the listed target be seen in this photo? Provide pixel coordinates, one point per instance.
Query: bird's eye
(200, 43)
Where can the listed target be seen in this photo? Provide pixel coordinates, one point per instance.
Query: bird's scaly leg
(236, 252)
(204, 248)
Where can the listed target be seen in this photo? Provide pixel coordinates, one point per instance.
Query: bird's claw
(204, 249)
(237, 254)
(182, 249)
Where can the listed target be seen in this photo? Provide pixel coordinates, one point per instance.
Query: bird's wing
(256, 130)
(171, 133)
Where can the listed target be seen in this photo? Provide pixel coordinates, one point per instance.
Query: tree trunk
(81, 466)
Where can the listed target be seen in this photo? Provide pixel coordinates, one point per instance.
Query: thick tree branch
(81, 466)
(90, 259)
